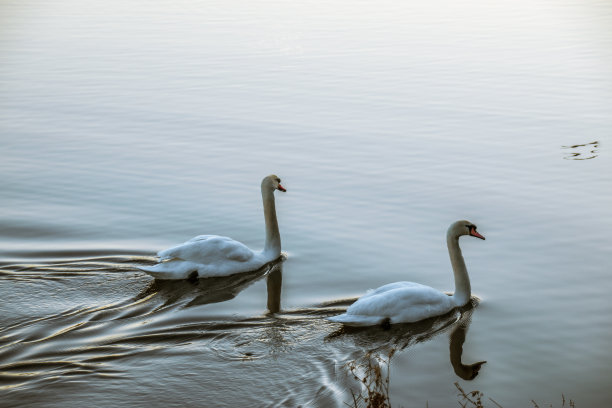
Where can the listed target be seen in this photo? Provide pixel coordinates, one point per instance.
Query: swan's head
(463, 227)
(272, 182)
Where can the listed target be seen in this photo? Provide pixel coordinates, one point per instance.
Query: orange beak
(475, 234)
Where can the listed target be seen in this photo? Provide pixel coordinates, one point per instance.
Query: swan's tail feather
(168, 254)
(357, 320)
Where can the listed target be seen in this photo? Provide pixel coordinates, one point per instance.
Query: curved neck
(462, 280)
(273, 241)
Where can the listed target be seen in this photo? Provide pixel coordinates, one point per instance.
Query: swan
(407, 302)
(213, 255)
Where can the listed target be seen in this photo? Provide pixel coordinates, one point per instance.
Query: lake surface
(129, 127)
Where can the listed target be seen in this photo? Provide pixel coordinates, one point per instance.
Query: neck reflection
(457, 337)
(371, 370)
(274, 281)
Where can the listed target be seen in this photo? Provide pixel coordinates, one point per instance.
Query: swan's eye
(278, 180)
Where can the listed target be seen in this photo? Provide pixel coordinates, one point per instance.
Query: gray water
(128, 127)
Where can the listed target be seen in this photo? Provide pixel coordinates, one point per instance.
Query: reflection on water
(371, 370)
(203, 291)
(372, 374)
(585, 151)
(91, 341)
(168, 319)
(274, 281)
(465, 371)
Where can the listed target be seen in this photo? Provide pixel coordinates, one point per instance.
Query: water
(130, 127)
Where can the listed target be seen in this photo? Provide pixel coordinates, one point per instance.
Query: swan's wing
(402, 301)
(235, 251)
(207, 249)
(394, 286)
(204, 237)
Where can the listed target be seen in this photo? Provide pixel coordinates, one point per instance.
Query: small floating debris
(585, 151)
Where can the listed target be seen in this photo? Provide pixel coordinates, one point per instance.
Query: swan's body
(407, 302)
(213, 255)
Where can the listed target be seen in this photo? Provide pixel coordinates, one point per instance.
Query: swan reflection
(371, 369)
(194, 292)
(457, 337)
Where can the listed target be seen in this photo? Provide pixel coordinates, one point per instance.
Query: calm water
(127, 127)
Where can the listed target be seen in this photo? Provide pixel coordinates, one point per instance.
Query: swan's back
(208, 249)
(207, 255)
(399, 302)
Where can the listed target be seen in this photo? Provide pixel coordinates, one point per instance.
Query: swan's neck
(273, 240)
(462, 280)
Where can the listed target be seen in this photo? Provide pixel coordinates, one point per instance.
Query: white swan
(213, 255)
(407, 302)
